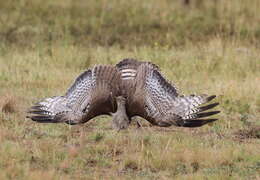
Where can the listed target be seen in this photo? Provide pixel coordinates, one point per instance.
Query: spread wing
(157, 101)
(128, 69)
(93, 93)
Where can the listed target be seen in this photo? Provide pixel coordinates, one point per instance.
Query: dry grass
(43, 48)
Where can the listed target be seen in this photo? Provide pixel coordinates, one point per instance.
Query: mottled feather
(92, 93)
(159, 102)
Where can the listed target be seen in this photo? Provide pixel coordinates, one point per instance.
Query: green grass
(205, 48)
(127, 23)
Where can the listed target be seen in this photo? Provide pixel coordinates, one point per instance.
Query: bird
(94, 92)
(130, 88)
(149, 95)
(120, 120)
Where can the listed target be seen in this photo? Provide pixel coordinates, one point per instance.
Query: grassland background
(210, 46)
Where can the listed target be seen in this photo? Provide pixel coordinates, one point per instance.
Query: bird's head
(120, 100)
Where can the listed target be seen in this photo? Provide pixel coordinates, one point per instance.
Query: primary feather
(152, 97)
(93, 93)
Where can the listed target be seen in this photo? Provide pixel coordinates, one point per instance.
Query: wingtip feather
(197, 122)
(206, 114)
(211, 97)
(207, 107)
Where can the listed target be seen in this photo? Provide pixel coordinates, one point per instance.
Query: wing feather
(161, 104)
(91, 94)
(128, 70)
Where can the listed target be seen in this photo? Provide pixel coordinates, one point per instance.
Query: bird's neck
(121, 106)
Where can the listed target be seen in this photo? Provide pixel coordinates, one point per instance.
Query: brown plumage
(93, 93)
(129, 89)
(153, 98)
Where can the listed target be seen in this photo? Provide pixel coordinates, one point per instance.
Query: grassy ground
(208, 48)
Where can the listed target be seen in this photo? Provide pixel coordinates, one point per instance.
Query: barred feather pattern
(54, 105)
(160, 93)
(128, 68)
(165, 106)
(83, 100)
(79, 91)
(187, 106)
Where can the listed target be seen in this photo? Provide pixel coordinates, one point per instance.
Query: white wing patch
(127, 74)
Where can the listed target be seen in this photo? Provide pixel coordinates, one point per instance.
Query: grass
(123, 23)
(205, 48)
